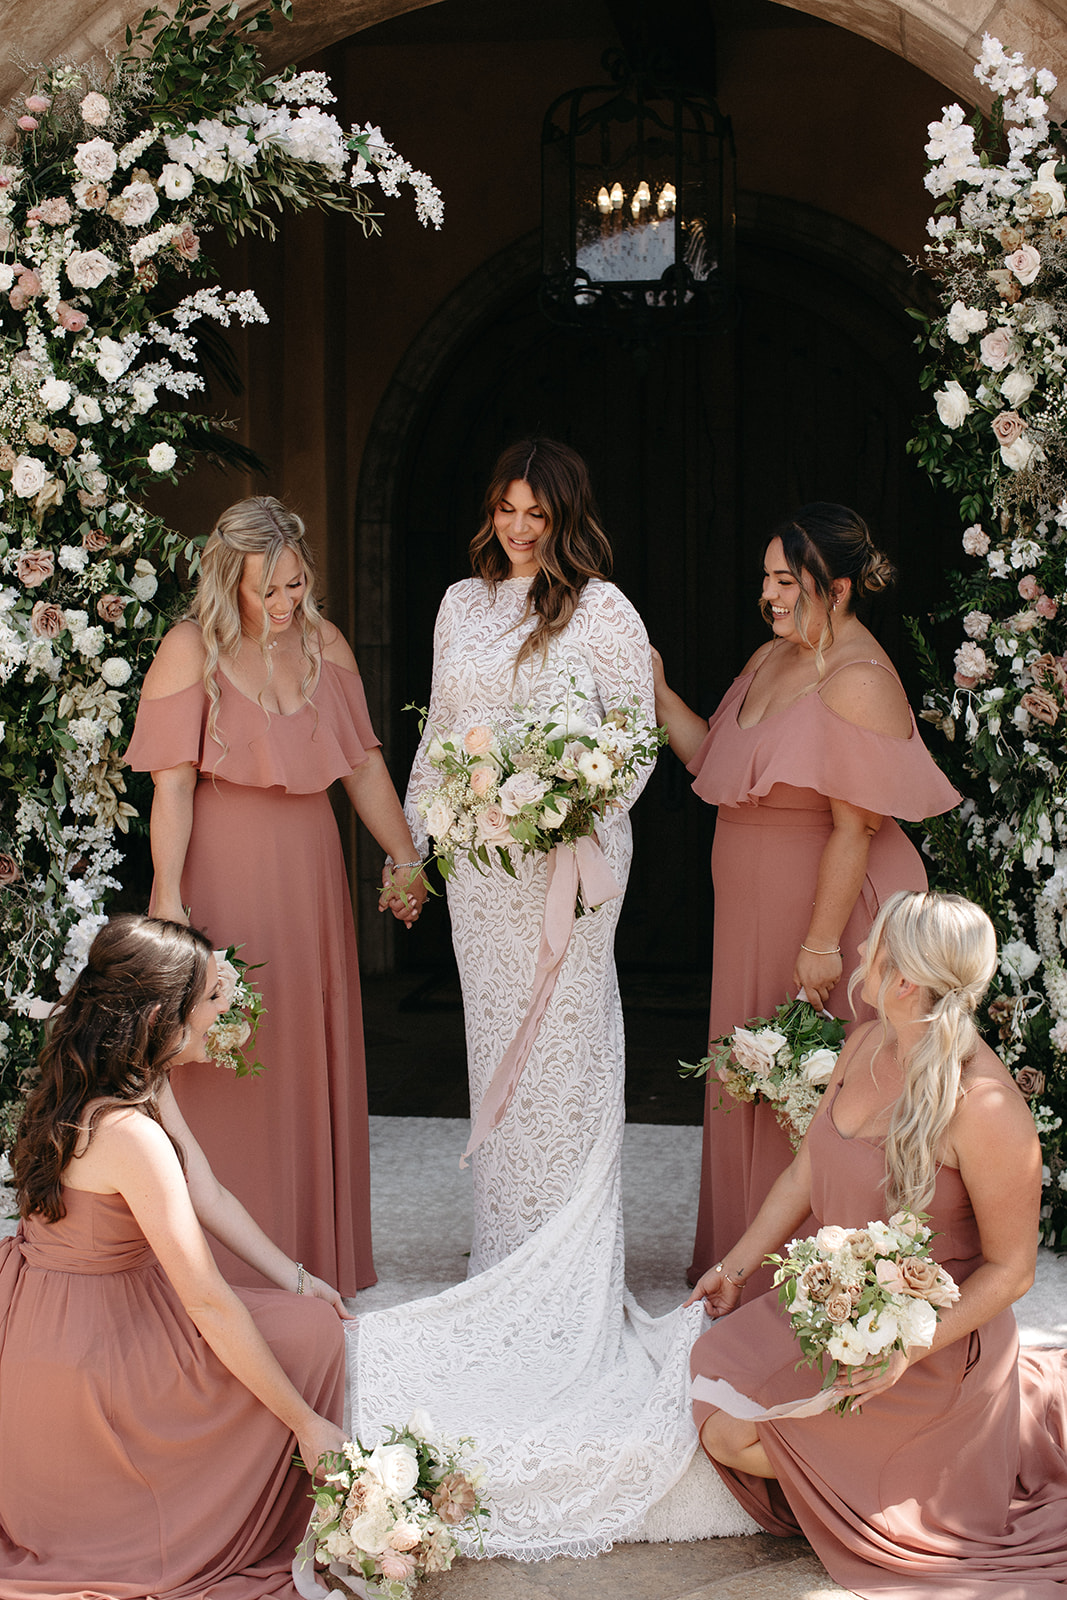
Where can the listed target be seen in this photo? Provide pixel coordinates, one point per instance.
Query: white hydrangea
(73, 557)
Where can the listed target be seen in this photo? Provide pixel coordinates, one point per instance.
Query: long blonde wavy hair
(946, 945)
(260, 526)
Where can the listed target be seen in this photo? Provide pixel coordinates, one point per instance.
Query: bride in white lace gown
(577, 1400)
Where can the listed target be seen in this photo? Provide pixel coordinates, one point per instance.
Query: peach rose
(482, 779)
(1029, 587)
(73, 321)
(919, 1274)
(838, 1306)
(1046, 607)
(478, 741)
(493, 826)
(1008, 425)
(35, 567)
(396, 1565)
(1040, 704)
(46, 620)
(187, 243)
(9, 871)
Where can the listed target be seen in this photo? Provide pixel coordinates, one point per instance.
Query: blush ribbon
(724, 1397)
(583, 863)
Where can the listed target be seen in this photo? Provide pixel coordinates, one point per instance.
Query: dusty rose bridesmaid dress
(772, 784)
(264, 870)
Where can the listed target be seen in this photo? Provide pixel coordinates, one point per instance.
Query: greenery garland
(107, 189)
(998, 438)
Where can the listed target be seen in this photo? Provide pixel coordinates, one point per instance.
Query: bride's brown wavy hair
(572, 548)
(112, 1038)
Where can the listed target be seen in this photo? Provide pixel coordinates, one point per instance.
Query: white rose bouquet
(787, 1060)
(542, 783)
(854, 1293)
(385, 1517)
(231, 1038)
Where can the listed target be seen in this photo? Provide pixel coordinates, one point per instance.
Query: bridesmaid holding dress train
(810, 756)
(251, 709)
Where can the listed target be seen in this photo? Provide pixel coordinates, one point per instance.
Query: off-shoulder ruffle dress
(133, 1463)
(264, 870)
(772, 784)
(953, 1482)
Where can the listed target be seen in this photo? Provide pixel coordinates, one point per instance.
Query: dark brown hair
(827, 542)
(116, 1030)
(572, 548)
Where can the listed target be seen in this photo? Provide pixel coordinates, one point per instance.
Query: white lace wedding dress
(576, 1399)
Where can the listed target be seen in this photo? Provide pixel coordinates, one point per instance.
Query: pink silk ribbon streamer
(724, 1397)
(584, 863)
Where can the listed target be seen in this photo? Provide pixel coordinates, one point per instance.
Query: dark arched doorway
(697, 448)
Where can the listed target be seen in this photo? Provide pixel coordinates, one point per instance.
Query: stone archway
(942, 38)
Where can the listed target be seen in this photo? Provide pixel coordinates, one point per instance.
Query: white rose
(555, 813)
(436, 752)
(95, 111)
(1017, 387)
(756, 1051)
(831, 1238)
(228, 977)
(87, 269)
(439, 818)
(818, 1066)
(85, 409)
(162, 457)
(28, 477)
(109, 368)
(55, 392)
(953, 403)
(142, 396)
(1019, 453)
(137, 204)
(521, 789)
(212, 167)
(918, 1323)
(115, 671)
(144, 582)
(7, 276)
(96, 160)
(396, 1466)
(1046, 183)
(176, 181)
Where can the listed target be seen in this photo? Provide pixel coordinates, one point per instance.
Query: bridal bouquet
(787, 1060)
(232, 1036)
(541, 783)
(390, 1515)
(856, 1293)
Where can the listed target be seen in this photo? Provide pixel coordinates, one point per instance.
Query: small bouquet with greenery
(386, 1517)
(854, 1293)
(787, 1060)
(542, 783)
(231, 1038)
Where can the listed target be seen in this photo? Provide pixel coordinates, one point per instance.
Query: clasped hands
(404, 891)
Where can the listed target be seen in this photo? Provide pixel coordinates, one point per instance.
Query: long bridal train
(577, 1400)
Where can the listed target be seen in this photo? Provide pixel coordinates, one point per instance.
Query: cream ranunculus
(953, 403)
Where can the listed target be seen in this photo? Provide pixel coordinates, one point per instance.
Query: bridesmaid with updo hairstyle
(810, 756)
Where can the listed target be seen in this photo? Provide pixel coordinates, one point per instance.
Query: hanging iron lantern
(637, 183)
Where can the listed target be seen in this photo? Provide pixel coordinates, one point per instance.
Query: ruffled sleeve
(808, 746)
(302, 753)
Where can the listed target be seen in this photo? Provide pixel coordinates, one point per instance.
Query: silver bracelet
(300, 1276)
(718, 1267)
(836, 951)
(395, 865)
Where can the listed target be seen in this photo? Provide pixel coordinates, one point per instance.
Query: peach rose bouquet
(857, 1293)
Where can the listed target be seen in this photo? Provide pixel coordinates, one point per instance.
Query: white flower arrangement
(857, 1293)
(998, 438)
(392, 1514)
(542, 783)
(110, 193)
(786, 1060)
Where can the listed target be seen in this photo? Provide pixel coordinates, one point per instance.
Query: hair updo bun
(828, 542)
(877, 573)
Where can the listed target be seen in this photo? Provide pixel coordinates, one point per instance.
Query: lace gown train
(577, 1400)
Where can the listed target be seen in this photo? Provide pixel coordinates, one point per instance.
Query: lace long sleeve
(621, 660)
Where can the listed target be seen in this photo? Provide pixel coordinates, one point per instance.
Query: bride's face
(519, 523)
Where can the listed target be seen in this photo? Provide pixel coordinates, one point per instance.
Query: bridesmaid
(150, 1412)
(252, 707)
(809, 757)
(952, 1477)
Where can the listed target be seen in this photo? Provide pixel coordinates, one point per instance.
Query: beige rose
(1031, 1082)
(838, 1306)
(94, 538)
(1040, 704)
(63, 442)
(862, 1245)
(187, 243)
(46, 620)
(1008, 425)
(35, 567)
(111, 608)
(1049, 670)
(9, 871)
(454, 1498)
(919, 1274)
(90, 502)
(493, 826)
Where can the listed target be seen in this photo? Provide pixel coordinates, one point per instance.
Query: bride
(575, 1398)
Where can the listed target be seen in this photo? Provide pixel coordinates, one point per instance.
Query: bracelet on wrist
(395, 866)
(718, 1267)
(301, 1275)
(836, 951)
